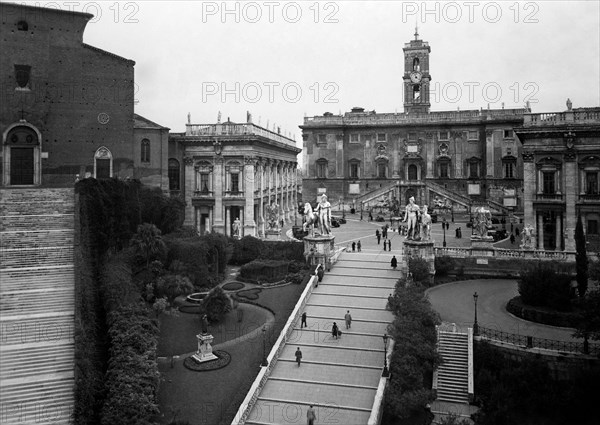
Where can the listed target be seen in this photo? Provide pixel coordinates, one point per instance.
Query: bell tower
(416, 76)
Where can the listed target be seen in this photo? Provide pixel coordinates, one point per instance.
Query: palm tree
(148, 243)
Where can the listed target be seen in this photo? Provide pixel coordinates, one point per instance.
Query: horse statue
(310, 219)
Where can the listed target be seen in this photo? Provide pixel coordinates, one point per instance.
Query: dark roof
(141, 122)
(104, 52)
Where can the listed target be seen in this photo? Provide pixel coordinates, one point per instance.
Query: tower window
(22, 75)
(145, 150)
(22, 26)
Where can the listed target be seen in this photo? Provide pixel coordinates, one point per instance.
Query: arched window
(145, 150)
(174, 174)
(412, 172)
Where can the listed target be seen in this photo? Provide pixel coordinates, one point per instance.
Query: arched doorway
(21, 155)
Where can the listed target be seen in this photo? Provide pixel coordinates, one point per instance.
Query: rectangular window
(473, 135)
(591, 183)
(204, 183)
(444, 170)
(381, 137)
(509, 170)
(443, 135)
(592, 227)
(508, 134)
(354, 171)
(473, 170)
(235, 182)
(548, 183)
(354, 138)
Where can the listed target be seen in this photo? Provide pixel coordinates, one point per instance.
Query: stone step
(27, 257)
(35, 330)
(36, 222)
(32, 239)
(36, 207)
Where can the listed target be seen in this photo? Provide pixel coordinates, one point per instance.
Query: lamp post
(386, 372)
(475, 325)
(444, 229)
(264, 359)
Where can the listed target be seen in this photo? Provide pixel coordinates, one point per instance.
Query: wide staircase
(453, 374)
(36, 306)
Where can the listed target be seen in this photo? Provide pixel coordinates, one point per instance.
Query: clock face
(415, 77)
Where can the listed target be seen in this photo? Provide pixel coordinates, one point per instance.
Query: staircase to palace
(36, 306)
(452, 376)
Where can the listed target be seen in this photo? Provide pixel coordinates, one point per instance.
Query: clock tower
(416, 76)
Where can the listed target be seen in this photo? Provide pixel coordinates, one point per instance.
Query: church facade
(67, 108)
(466, 157)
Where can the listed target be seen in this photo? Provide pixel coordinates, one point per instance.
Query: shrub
(216, 304)
(419, 269)
(443, 265)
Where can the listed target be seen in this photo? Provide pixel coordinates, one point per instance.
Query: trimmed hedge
(542, 315)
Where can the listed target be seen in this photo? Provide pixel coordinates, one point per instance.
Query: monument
(418, 243)
(204, 352)
(319, 247)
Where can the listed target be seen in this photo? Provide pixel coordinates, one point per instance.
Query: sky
(284, 60)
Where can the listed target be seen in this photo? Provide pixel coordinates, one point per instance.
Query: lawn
(214, 397)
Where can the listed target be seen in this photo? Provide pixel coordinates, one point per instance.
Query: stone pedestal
(319, 250)
(482, 246)
(204, 353)
(418, 249)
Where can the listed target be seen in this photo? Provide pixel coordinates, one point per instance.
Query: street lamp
(475, 325)
(264, 359)
(444, 229)
(386, 372)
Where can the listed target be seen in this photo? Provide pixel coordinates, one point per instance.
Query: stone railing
(377, 409)
(260, 381)
(248, 129)
(503, 253)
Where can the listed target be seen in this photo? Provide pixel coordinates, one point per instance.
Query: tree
(581, 259)
(148, 243)
(589, 323)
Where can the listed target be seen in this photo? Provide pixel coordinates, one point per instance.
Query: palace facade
(67, 108)
(228, 170)
(467, 157)
(561, 155)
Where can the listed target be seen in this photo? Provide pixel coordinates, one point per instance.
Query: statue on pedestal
(425, 224)
(411, 212)
(323, 210)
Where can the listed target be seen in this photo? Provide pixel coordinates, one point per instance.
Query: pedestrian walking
(334, 330)
(303, 323)
(512, 239)
(348, 319)
(384, 245)
(390, 245)
(353, 246)
(311, 416)
(394, 262)
(298, 356)
(358, 245)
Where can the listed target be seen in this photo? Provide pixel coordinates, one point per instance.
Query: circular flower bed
(223, 360)
(233, 286)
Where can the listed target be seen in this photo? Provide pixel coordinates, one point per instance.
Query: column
(540, 231)
(529, 189)
(558, 232)
(218, 223)
(188, 188)
(249, 224)
(570, 194)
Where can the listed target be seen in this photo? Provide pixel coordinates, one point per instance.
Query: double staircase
(453, 380)
(37, 305)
